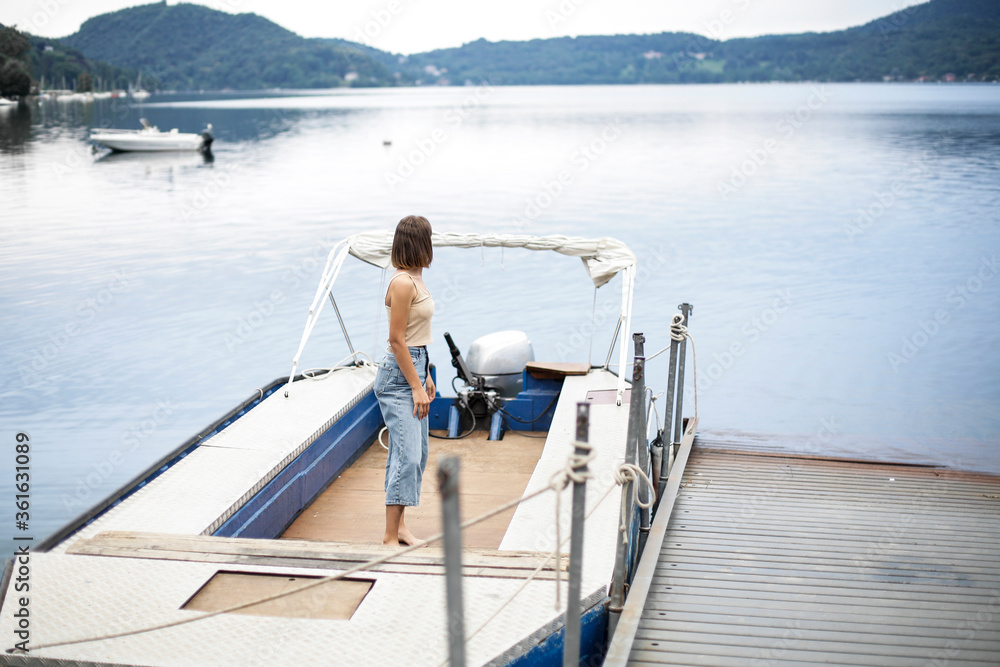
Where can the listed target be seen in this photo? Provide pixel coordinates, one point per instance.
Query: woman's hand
(421, 403)
(431, 389)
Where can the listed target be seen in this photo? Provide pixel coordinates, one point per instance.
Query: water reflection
(15, 128)
(164, 159)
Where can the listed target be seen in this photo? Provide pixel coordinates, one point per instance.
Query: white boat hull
(148, 140)
(177, 142)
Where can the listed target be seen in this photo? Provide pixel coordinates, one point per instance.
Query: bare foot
(390, 543)
(409, 539)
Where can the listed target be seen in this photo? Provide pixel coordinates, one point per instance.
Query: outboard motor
(207, 139)
(494, 371)
(499, 359)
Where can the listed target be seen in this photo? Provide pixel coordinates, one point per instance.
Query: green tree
(14, 79)
(84, 84)
(13, 43)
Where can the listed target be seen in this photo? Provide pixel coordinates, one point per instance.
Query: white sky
(412, 26)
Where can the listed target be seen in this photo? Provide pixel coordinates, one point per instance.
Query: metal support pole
(639, 436)
(666, 432)
(611, 350)
(448, 486)
(685, 309)
(342, 327)
(622, 564)
(571, 645)
(617, 592)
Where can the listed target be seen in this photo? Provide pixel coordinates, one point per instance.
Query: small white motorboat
(150, 138)
(4, 102)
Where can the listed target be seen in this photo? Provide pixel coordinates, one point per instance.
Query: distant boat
(137, 93)
(4, 102)
(150, 138)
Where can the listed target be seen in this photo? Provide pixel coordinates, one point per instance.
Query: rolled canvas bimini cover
(603, 257)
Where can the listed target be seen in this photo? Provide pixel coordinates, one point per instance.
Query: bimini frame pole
(624, 319)
(334, 262)
(341, 320)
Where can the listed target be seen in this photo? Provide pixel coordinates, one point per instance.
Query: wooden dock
(768, 559)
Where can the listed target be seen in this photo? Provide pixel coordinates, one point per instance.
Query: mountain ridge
(187, 46)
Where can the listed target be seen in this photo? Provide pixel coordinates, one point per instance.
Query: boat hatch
(334, 600)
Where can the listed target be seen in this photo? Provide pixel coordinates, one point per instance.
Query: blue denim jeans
(404, 468)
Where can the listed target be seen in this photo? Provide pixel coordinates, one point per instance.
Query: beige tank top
(418, 327)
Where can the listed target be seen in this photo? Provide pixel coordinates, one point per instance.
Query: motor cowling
(207, 138)
(499, 359)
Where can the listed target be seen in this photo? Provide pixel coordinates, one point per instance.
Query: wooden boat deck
(352, 508)
(779, 560)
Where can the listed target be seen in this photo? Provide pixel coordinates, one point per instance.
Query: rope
(324, 373)
(679, 332)
(312, 584)
(572, 472)
(630, 472)
(557, 483)
(652, 406)
(657, 353)
(534, 574)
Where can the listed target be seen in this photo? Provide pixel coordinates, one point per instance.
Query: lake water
(838, 243)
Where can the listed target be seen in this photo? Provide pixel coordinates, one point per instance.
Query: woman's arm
(399, 297)
(429, 385)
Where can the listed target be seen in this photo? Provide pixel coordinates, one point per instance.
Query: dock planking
(770, 559)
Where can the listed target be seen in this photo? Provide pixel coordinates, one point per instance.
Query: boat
(137, 92)
(281, 499)
(150, 138)
(4, 102)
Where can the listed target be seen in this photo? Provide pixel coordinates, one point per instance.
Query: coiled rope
(630, 472)
(679, 332)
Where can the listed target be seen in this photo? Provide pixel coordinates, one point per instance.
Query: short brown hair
(411, 245)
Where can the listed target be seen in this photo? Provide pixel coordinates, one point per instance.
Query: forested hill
(937, 40)
(193, 47)
(188, 46)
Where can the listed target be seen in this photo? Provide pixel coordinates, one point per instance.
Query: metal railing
(651, 459)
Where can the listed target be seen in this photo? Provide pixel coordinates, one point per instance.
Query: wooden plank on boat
(555, 370)
(303, 553)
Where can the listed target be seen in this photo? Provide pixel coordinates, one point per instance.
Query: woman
(403, 384)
